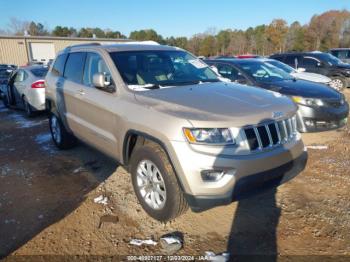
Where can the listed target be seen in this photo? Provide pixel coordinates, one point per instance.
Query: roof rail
(82, 45)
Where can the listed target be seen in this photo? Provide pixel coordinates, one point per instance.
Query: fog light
(215, 175)
(309, 123)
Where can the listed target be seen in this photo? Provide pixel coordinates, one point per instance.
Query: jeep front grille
(271, 134)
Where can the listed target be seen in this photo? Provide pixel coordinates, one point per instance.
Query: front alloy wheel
(151, 184)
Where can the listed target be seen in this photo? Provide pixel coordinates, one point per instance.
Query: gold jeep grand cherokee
(187, 138)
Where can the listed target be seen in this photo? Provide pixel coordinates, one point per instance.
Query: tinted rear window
(58, 66)
(39, 72)
(4, 73)
(75, 67)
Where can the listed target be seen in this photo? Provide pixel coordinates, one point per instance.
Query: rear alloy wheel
(60, 136)
(338, 83)
(27, 107)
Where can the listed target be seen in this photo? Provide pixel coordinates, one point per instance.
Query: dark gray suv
(320, 63)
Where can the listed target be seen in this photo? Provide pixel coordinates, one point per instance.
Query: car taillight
(39, 84)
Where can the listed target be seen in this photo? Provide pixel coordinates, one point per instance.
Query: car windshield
(39, 72)
(161, 68)
(286, 68)
(330, 59)
(264, 72)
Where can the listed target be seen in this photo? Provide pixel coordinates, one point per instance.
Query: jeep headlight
(213, 136)
(308, 101)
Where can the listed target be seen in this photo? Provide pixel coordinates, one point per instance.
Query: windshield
(39, 72)
(330, 59)
(161, 68)
(286, 68)
(264, 72)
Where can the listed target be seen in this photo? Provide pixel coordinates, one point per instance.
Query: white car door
(19, 85)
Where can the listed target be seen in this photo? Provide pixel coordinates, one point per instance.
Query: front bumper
(311, 119)
(251, 185)
(190, 162)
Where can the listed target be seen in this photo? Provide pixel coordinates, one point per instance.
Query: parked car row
(320, 63)
(320, 107)
(192, 133)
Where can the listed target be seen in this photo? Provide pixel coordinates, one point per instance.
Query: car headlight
(308, 101)
(214, 136)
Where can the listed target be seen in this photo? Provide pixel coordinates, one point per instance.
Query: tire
(27, 107)
(174, 203)
(60, 136)
(339, 83)
(6, 101)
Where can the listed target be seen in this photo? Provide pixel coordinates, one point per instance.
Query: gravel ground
(47, 204)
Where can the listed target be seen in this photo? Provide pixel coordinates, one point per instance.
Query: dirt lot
(47, 207)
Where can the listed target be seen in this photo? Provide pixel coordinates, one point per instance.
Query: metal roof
(64, 38)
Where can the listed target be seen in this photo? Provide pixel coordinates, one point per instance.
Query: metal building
(20, 50)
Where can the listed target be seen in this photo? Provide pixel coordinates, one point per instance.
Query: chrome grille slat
(271, 134)
(258, 137)
(289, 123)
(285, 131)
(278, 132)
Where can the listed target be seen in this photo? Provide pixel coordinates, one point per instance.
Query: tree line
(327, 30)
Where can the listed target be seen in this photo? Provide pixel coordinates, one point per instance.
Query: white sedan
(26, 89)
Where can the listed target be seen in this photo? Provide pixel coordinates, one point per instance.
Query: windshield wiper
(210, 81)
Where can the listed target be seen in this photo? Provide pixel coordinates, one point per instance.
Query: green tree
(208, 46)
(223, 39)
(37, 29)
(64, 31)
(114, 34)
(147, 34)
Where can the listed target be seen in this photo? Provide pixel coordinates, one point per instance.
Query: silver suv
(187, 138)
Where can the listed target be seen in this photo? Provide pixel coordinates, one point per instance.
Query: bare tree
(17, 27)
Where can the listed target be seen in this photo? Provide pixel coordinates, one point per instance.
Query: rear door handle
(81, 91)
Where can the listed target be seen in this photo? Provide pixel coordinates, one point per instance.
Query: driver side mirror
(103, 81)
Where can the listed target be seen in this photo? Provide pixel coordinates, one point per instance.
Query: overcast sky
(167, 17)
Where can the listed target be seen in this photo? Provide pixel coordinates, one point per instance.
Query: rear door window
(58, 66)
(75, 67)
(308, 62)
(229, 72)
(291, 61)
(20, 76)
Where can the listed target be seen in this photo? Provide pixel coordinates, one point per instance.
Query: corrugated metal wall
(15, 50)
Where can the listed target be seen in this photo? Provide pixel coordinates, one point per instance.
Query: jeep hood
(218, 104)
